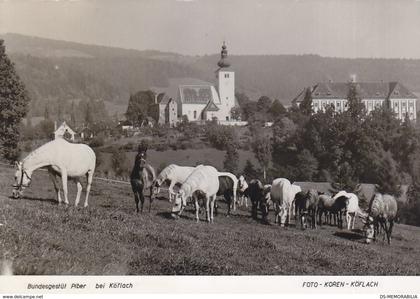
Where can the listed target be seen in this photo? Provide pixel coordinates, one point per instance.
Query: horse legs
(171, 190)
(136, 199)
(79, 191)
(89, 176)
(389, 231)
(289, 213)
(212, 202)
(348, 220)
(208, 208)
(229, 202)
(56, 184)
(141, 196)
(197, 210)
(64, 181)
(151, 198)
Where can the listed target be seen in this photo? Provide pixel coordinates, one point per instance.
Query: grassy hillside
(39, 237)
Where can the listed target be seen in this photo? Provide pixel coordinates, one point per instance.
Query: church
(198, 100)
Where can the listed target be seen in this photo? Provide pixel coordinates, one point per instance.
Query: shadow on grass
(349, 235)
(51, 200)
(166, 215)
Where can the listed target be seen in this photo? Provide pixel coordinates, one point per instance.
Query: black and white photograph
(209, 138)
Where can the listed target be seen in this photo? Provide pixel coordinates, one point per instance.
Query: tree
(264, 104)
(356, 108)
(306, 106)
(221, 137)
(277, 109)
(249, 170)
(230, 163)
(307, 166)
(139, 106)
(235, 112)
(118, 161)
(73, 115)
(262, 151)
(14, 106)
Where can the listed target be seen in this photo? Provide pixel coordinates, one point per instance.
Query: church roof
(187, 90)
(211, 106)
(195, 94)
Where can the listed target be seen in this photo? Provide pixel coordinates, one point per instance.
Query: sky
(333, 28)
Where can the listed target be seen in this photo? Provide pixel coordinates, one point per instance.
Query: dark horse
(259, 195)
(141, 179)
(225, 190)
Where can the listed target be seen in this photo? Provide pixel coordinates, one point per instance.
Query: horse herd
(205, 183)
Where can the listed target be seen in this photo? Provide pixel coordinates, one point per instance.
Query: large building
(372, 94)
(196, 99)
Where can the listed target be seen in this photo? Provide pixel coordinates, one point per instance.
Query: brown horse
(306, 206)
(141, 179)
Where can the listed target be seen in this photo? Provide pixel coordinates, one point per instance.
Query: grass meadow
(39, 237)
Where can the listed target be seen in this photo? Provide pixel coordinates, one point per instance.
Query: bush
(97, 141)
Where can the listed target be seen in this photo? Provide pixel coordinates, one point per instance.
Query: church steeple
(223, 62)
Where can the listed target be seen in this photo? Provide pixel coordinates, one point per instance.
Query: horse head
(22, 180)
(369, 229)
(179, 203)
(141, 159)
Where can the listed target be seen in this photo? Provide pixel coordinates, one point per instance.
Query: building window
(226, 75)
(195, 114)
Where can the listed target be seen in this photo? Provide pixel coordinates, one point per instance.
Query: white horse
(62, 159)
(352, 207)
(243, 197)
(175, 175)
(203, 181)
(283, 195)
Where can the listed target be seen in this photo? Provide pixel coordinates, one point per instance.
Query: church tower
(226, 85)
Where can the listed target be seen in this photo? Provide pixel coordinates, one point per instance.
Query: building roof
(187, 90)
(366, 90)
(64, 127)
(211, 106)
(195, 94)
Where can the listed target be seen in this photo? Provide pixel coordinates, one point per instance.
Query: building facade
(196, 99)
(372, 94)
(64, 131)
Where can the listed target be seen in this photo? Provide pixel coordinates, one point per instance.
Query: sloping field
(39, 237)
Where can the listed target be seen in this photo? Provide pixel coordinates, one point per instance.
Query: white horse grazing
(242, 187)
(61, 158)
(204, 180)
(175, 175)
(352, 207)
(282, 195)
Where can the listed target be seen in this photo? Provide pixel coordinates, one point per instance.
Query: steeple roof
(223, 62)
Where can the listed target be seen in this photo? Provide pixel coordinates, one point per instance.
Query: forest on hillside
(54, 70)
